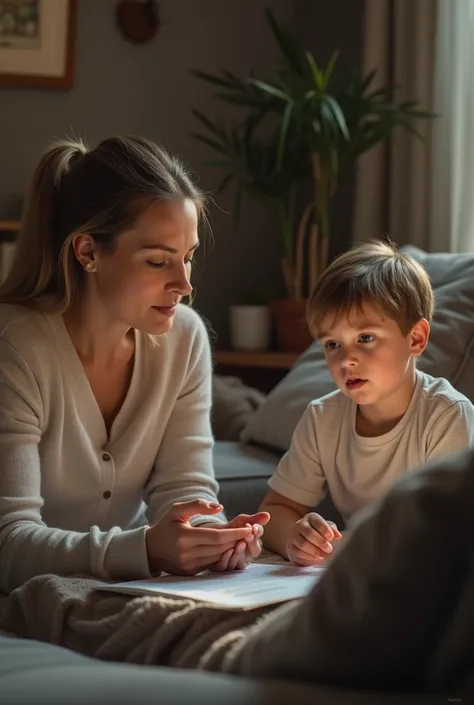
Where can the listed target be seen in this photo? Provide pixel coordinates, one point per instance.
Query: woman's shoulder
(22, 327)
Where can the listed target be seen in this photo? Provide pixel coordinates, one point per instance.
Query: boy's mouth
(355, 382)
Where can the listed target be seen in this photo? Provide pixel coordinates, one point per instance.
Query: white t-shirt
(326, 453)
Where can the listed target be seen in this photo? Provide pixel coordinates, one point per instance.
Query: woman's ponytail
(34, 269)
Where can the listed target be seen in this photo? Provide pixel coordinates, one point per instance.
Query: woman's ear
(419, 336)
(84, 248)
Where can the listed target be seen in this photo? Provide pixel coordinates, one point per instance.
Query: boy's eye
(366, 338)
(331, 345)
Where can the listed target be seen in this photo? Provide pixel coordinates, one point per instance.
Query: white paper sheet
(260, 584)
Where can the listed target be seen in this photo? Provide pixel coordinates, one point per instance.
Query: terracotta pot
(292, 330)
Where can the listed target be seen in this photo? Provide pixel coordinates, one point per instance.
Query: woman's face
(146, 275)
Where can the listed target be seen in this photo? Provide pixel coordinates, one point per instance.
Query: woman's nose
(182, 284)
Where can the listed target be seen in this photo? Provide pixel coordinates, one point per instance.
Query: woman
(105, 439)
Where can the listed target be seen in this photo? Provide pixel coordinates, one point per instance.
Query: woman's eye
(160, 265)
(366, 338)
(156, 265)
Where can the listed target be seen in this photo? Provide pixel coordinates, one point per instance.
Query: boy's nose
(348, 361)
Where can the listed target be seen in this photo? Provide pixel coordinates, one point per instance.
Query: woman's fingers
(205, 551)
(219, 537)
(254, 548)
(221, 564)
(237, 560)
(261, 518)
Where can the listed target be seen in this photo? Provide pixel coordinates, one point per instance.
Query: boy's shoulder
(437, 391)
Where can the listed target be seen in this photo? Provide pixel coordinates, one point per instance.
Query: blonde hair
(373, 273)
(100, 192)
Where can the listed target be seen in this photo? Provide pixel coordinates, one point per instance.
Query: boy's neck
(376, 419)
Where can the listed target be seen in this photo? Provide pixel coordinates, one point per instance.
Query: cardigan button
(106, 457)
(107, 495)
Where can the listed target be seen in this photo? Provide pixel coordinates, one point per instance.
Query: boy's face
(368, 356)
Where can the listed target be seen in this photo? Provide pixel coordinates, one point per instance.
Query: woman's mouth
(165, 310)
(355, 383)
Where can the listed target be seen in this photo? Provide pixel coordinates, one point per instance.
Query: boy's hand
(309, 541)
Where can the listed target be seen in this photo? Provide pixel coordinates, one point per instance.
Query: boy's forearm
(277, 531)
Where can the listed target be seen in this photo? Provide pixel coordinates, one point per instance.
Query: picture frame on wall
(37, 43)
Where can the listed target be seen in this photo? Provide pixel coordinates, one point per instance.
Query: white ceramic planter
(250, 327)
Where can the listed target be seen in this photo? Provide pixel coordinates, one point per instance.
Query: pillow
(233, 403)
(394, 609)
(273, 423)
(449, 353)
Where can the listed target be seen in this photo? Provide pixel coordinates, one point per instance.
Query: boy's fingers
(336, 532)
(314, 538)
(313, 547)
(320, 525)
(305, 559)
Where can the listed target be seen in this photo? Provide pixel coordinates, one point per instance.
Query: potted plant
(320, 131)
(249, 161)
(250, 324)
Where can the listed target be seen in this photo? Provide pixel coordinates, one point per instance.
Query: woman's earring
(90, 267)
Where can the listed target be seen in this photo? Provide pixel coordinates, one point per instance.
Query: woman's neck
(98, 340)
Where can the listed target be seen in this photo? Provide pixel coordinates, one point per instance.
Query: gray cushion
(274, 422)
(42, 674)
(242, 472)
(449, 353)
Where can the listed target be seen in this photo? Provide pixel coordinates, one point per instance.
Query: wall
(148, 89)
(325, 27)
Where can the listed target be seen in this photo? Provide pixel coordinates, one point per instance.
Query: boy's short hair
(373, 273)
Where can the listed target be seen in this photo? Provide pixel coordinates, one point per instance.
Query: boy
(370, 310)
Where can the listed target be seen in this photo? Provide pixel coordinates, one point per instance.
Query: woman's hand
(310, 540)
(176, 547)
(247, 549)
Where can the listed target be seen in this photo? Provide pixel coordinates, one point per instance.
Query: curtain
(393, 185)
(452, 188)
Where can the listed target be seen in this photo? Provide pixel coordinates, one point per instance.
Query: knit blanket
(158, 630)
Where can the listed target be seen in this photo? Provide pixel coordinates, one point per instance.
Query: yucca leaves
(315, 124)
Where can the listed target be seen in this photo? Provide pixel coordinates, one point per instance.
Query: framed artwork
(37, 43)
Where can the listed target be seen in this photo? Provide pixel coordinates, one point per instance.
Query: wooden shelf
(9, 225)
(274, 360)
(9, 230)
